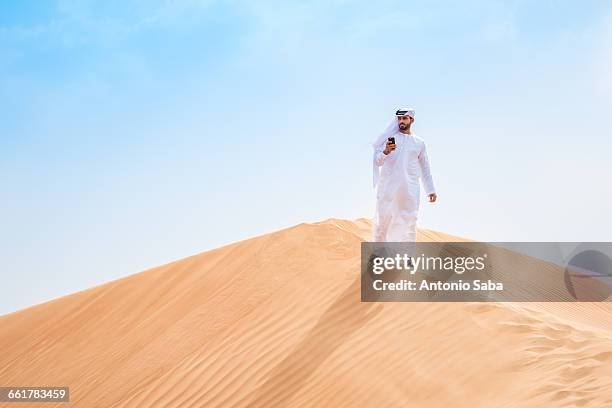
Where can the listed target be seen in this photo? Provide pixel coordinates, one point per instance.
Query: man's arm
(379, 157)
(426, 178)
(381, 153)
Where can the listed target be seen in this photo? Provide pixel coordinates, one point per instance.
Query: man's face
(403, 122)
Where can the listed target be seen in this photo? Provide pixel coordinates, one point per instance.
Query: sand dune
(276, 320)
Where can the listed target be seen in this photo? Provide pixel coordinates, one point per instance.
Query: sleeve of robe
(379, 156)
(426, 178)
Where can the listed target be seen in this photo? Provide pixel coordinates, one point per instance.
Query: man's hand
(433, 197)
(390, 147)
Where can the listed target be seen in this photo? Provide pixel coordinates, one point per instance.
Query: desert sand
(276, 321)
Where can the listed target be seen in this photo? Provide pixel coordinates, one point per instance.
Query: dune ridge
(276, 320)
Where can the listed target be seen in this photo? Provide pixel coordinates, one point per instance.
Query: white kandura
(396, 180)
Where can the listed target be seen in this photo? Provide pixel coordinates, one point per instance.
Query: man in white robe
(397, 168)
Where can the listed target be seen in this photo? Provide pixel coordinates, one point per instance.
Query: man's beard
(403, 126)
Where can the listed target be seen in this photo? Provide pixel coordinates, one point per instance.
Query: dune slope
(276, 320)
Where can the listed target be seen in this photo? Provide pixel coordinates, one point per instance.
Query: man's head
(405, 117)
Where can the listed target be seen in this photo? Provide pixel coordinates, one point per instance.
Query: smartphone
(392, 140)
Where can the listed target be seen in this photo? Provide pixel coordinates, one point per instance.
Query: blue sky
(134, 133)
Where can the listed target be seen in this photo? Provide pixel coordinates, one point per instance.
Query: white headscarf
(392, 129)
